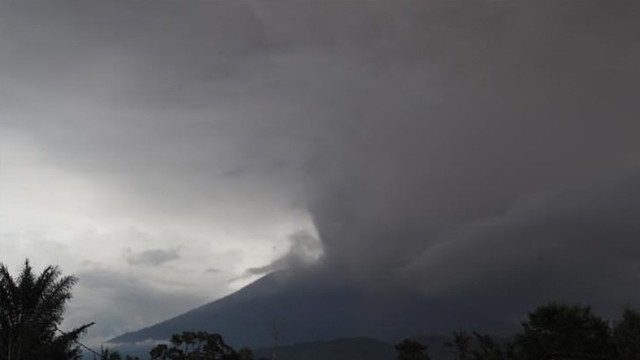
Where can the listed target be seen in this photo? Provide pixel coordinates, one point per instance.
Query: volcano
(292, 307)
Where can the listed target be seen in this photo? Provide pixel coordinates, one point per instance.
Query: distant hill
(314, 306)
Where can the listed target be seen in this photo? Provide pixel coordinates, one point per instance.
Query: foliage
(476, 347)
(411, 350)
(557, 330)
(626, 335)
(460, 345)
(31, 308)
(197, 345)
(488, 349)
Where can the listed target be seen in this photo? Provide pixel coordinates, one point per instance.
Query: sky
(168, 153)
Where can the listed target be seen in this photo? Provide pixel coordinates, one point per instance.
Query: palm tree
(31, 308)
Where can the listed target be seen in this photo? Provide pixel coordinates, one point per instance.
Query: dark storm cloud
(573, 244)
(534, 111)
(516, 102)
(456, 147)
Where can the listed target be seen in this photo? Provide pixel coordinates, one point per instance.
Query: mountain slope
(313, 306)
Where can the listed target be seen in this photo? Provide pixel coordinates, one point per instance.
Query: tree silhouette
(196, 345)
(460, 345)
(476, 347)
(487, 349)
(626, 335)
(411, 350)
(563, 331)
(31, 308)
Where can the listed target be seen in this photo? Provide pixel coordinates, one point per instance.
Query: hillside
(315, 306)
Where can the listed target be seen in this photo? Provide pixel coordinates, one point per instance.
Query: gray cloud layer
(153, 257)
(485, 150)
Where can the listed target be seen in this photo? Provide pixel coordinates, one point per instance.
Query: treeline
(198, 345)
(551, 332)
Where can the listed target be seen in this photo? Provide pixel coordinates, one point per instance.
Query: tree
(557, 330)
(108, 354)
(476, 347)
(196, 345)
(460, 345)
(31, 308)
(487, 349)
(411, 350)
(626, 335)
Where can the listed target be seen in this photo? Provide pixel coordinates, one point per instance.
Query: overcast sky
(168, 153)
